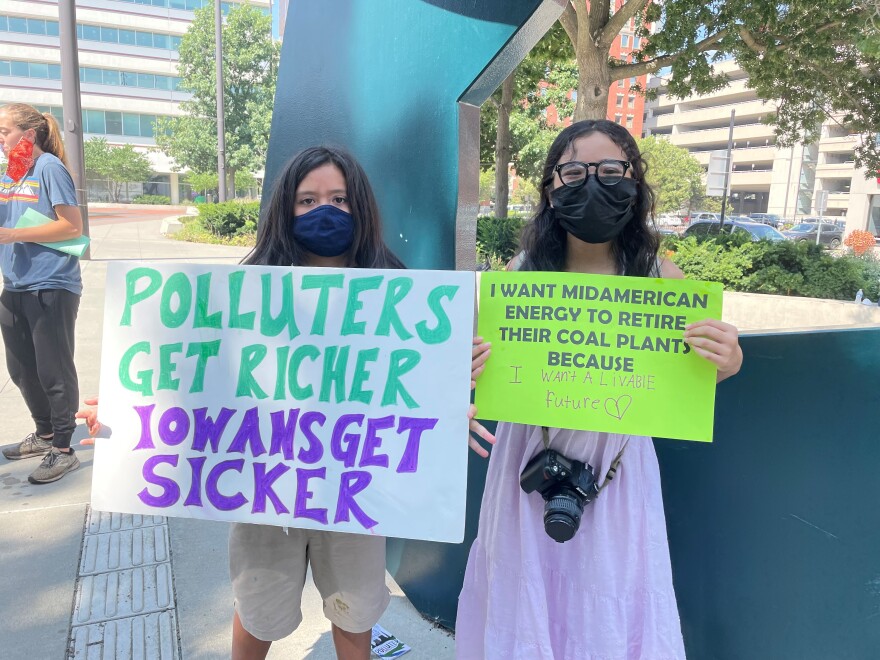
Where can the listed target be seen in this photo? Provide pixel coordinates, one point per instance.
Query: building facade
(766, 178)
(128, 71)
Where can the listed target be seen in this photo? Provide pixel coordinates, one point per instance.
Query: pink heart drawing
(617, 407)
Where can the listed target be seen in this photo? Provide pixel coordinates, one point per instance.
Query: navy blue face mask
(327, 231)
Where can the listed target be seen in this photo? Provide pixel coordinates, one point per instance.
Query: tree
(118, 165)
(817, 59)
(250, 66)
(505, 136)
(487, 185)
(673, 173)
(202, 182)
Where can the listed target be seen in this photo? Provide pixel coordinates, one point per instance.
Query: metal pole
(727, 174)
(787, 186)
(72, 106)
(221, 122)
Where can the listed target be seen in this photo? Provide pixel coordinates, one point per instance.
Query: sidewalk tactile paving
(137, 638)
(124, 605)
(124, 549)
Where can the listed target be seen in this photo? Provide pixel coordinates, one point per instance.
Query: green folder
(75, 246)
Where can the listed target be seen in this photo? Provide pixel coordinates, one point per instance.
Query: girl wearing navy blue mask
(322, 213)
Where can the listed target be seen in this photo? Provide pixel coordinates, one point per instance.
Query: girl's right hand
(91, 417)
(479, 355)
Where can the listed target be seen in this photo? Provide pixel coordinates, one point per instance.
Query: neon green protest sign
(597, 352)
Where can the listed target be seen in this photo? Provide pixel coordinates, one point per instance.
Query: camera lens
(562, 517)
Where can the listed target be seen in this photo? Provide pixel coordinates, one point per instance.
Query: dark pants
(38, 333)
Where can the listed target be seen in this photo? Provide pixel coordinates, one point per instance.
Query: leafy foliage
(673, 173)
(781, 268)
(816, 59)
(499, 237)
(250, 66)
(230, 218)
(117, 165)
(151, 199)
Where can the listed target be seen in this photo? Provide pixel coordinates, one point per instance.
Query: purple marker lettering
(248, 433)
(283, 431)
(170, 489)
(263, 487)
(173, 426)
(303, 495)
(372, 442)
(409, 462)
(315, 451)
(215, 497)
(194, 498)
(145, 413)
(206, 430)
(347, 453)
(350, 484)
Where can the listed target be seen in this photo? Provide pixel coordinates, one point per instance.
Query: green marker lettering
(357, 286)
(236, 318)
(402, 361)
(361, 374)
(251, 356)
(144, 378)
(397, 290)
(443, 330)
(203, 292)
(132, 297)
(180, 285)
(324, 283)
(300, 354)
(167, 367)
(335, 362)
(204, 350)
(272, 326)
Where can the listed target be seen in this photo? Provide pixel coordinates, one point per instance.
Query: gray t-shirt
(29, 266)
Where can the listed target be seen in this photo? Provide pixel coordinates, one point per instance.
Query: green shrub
(780, 268)
(230, 218)
(499, 237)
(151, 199)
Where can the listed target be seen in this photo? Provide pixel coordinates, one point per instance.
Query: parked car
(757, 230)
(831, 235)
(771, 219)
(699, 216)
(669, 220)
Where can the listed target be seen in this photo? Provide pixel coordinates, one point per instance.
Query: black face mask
(595, 213)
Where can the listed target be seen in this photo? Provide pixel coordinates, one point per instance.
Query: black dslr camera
(567, 486)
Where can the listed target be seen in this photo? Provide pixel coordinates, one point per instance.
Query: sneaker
(54, 466)
(32, 445)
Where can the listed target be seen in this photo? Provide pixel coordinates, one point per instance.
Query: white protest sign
(330, 399)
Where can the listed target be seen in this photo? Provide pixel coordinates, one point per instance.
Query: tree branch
(653, 65)
(619, 20)
(569, 22)
(597, 18)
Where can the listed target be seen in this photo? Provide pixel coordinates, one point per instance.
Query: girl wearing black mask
(322, 213)
(607, 592)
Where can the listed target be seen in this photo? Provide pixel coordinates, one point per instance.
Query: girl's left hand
(7, 236)
(718, 342)
(475, 427)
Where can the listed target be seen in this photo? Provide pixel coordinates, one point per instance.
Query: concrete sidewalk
(80, 584)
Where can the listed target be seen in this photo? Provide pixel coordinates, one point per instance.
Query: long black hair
(275, 246)
(635, 248)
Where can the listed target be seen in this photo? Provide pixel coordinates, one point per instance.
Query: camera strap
(612, 470)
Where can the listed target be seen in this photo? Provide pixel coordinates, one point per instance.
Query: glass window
(131, 124)
(620, 100)
(112, 77)
(620, 83)
(94, 76)
(20, 69)
(129, 79)
(632, 81)
(95, 122)
(163, 82)
(54, 72)
(4, 68)
(629, 121)
(36, 26)
(114, 122)
(127, 37)
(178, 4)
(52, 28)
(632, 101)
(18, 25)
(4, 25)
(110, 35)
(617, 119)
(91, 33)
(160, 41)
(79, 31)
(175, 84)
(145, 39)
(175, 43)
(146, 80)
(38, 70)
(147, 125)
(636, 42)
(192, 5)
(624, 41)
(160, 3)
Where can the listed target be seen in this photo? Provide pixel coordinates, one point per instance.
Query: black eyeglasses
(609, 171)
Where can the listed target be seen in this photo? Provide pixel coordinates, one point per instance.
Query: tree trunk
(230, 184)
(502, 147)
(594, 75)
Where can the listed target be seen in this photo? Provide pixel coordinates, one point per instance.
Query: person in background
(41, 287)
